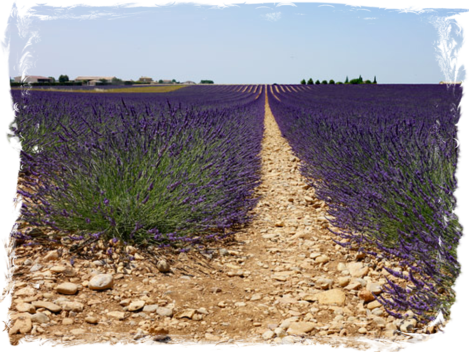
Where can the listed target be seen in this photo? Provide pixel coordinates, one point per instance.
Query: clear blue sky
(243, 44)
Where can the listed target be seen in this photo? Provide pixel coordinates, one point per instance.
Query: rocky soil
(280, 280)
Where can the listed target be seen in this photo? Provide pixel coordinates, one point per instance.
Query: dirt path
(282, 281)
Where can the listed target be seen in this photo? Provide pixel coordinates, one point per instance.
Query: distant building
(145, 79)
(447, 82)
(167, 81)
(33, 79)
(92, 80)
(188, 82)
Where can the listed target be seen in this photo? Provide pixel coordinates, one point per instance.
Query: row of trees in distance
(358, 80)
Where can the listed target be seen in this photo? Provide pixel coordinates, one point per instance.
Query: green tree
(374, 81)
(346, 80)
(303, 81)
(103, 81)
(367, 81)
(331, 81)
(310, 81)
(324, 82)
(317, 82)
(360, 79)
(116, 81)
(52, 79)
(160, 81)
(63, 78)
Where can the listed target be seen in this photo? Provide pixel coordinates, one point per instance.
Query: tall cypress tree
(374, 81)
(303, 81)
(346, 80)
(310, 81)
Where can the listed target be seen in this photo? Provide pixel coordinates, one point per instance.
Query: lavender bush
(384, 159)
(175, 168)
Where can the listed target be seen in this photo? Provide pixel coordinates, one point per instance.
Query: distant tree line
(358, 80)
(206, 81)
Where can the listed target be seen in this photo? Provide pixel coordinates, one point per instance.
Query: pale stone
(300, 328)
(334, 296)
(187, 313)
(67, 321)
(25, 307)
(373, 305)
(117, 315)
(22, 325)
(343, 281)
(163, 266)
(72, 306)
(67, 288)
(40, 318)
(52, 255)
(268, 335)
(158, 333)
(150, 308)
(78, 331)
(366, 296)
(164, 312)
(91, 320)
(357, 269)
(408, 325)
(101, 282)
(26, 291)
(140, 333)
(58, 269)
(136, 305)
(54, 308)
(211, 337)
(322, 259)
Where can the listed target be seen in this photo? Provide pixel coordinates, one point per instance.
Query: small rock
(54, 308)
(72, 306)
(256, 297)
(78, 331)
(280, 332)
(188, 313)
(40, 318)
(140, 333)
(373, 305)
(268, 335)
(164, 312)
(22, 325)
(26, 291)
(35, 267)
(101, 282)
(58, 269)
(357, 269)
(223, 252)
(408, 325)
(334, 296)
(156, 329)
(322, 259)
(362, 331)
(25, 307)
(287, 340)
(150, 308)
(52, 255)
(211, 337)
(136, 305)
(67, 321)
(163, 266)
(300, 328)
(366, 296)
(67, 288)
(343, 281)
(117, 315)
(91, 319)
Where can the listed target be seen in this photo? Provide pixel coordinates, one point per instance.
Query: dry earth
(280, 280)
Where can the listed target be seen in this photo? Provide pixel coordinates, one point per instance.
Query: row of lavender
(384, 159)
(165, 169)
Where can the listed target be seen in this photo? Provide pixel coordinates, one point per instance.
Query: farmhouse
(92, 80)
(145, 79)
(188, 82)
(33, 79)
(167, 81)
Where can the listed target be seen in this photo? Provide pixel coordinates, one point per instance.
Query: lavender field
(180, 170)
(384, 158)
